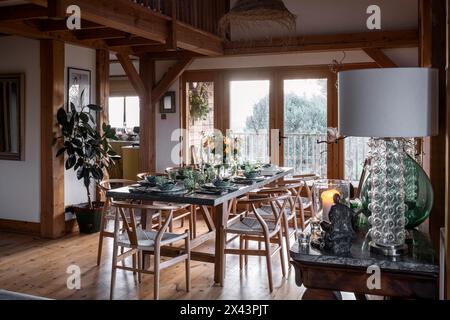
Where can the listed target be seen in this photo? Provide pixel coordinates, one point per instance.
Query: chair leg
(102, 229)
(140, 268)
(246, 256)
(191, 226)
(134, 260)
(286, 230)
(194, 219)
(241, 257)
(113, 273)
(268, 262)
(188, 264)
(156, 275)
(114, 258)
(282, 259)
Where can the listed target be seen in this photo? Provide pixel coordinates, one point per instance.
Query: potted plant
(88, 153)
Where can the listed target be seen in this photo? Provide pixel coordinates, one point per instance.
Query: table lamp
(388, 105)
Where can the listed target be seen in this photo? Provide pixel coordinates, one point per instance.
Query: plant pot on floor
(89, 220)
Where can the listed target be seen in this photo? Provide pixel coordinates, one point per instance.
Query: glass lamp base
(391, 251)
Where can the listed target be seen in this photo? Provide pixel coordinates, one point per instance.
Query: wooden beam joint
(380, 58)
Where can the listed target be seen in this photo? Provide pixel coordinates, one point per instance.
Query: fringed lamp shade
(248, 13)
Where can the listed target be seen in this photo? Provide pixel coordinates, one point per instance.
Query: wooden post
(52, 168)
(147, 143)
(102, 91)
(433, 48)
(102, 85)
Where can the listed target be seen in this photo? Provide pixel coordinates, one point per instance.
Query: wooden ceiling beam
(137, 20)
(169, 78)
(101, 33)
(22, 12)
(173, 55)
(28, 30)
(131, 73)
(135, 41)
(60, 25)
(380, 58)
(337, 42)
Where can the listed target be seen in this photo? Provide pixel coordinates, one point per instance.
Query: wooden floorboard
(36, 266)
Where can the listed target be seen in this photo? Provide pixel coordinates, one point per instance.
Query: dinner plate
(212, 186)
(145, 183)
(259, 178)
(176, 189)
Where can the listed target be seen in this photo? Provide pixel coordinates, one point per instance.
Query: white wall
(165, 128)
(20, 180)
(83, 58)
(342, 16)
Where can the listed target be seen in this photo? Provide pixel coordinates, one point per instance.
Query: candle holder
(324, 196)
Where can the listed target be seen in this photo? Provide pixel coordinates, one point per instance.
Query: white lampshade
(388, 102)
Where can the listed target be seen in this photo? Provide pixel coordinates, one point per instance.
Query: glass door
(249, 118)
(305, 122)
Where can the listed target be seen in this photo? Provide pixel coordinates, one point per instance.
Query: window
(249, 118)
(124, 112)
(305, 123)
(356, 150)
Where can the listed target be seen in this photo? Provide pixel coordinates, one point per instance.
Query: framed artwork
(78, 87)
(167, 103)
(12, 116)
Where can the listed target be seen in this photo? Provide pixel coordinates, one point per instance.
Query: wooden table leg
(219, 264)
(144, 219)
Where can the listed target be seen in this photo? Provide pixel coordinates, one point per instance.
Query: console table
(413, 276)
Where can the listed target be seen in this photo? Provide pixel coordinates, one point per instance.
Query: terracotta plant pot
(89, 220)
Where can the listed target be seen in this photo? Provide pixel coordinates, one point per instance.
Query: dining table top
(194, 197)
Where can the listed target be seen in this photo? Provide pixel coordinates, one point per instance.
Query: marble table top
(420, 258)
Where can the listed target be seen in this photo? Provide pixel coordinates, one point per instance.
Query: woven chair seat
(146, 239)
(265, 211)
(250, 226)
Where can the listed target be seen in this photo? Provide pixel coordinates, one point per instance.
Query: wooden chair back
(126, 211)
(277, 198)
(295, 187)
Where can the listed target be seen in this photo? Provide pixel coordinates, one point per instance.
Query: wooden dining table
(221, 205)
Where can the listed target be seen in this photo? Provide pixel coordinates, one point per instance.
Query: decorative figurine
(339, 234)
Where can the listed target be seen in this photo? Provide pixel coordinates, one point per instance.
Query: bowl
(221, 182)
(167, 186)
(151, 179)
(251, 174)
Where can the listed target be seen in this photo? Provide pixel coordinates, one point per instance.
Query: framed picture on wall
(78, 87)
(12, 116)
(167, 103)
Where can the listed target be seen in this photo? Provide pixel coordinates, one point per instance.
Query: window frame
(124, 97)
(222, 77)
